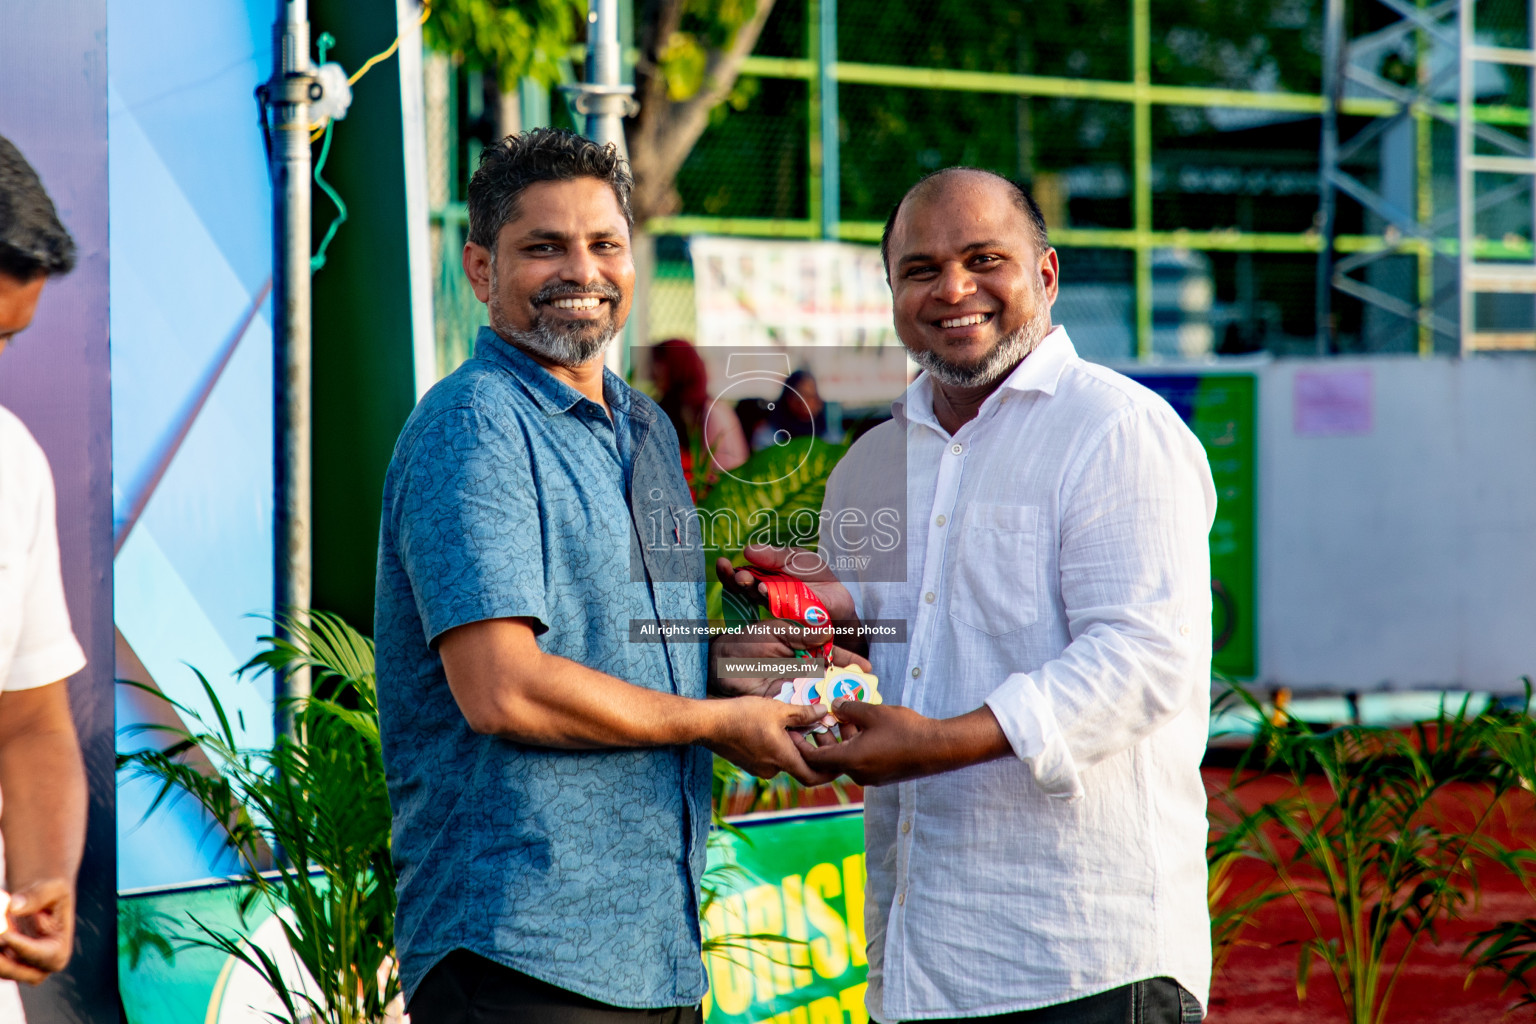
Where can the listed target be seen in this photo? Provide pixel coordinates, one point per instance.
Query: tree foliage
(509, 39)
(891, 135)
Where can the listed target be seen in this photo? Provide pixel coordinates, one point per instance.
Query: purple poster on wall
(55, 377)
(1333, 403)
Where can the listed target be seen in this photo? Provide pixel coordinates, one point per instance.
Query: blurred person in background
(797, 412)
(42, 778)
(708, 432)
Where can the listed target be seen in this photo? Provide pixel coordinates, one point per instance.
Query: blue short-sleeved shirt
(510, 494)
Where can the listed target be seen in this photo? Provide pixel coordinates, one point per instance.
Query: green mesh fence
(1173, 146)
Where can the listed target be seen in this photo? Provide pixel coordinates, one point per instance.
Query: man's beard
(1010, 351)
(568, 343)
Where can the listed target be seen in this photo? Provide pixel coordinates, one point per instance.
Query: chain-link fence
(1174, 147)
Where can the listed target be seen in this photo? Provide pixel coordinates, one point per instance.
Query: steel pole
(289, 94)
(606, 99)
(831, 183)
(1333, 92)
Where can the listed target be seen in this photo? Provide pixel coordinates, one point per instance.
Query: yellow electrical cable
(426, 11)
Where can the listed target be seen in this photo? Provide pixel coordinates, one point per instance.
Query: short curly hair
(32, 241)
(542, 154)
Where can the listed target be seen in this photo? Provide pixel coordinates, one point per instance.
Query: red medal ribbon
(789, 598)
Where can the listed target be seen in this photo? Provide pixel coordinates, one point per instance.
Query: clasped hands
(880, 743)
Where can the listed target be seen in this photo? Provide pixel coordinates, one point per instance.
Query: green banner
(1222, 410)
(196, 984)
(802, 879)
(798, 879)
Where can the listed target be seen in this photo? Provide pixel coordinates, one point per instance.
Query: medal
(838, 683)
(789, 598)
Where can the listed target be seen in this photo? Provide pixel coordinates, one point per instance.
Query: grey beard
(564, 347)
(1009, 353)
(564, 344)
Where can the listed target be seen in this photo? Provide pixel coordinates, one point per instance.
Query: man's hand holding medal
(804, 602)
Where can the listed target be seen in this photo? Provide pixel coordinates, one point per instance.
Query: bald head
(935, 185)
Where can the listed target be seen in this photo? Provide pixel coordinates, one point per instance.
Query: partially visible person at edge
(708, 431)
(42, 779)
(549, 761)
(1034, 819)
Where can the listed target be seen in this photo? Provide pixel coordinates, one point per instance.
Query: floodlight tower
(603, 97)
(1496, 177)
(1401, 197)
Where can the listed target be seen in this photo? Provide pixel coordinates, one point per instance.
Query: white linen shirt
(37, 646)
(1057, 570)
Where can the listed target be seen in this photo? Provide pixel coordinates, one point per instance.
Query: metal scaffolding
(1454, 259)
(1496, 170)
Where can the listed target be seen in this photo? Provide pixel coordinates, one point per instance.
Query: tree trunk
(664, 132)
(505, 106)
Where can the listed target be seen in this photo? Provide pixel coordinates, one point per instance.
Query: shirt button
(901, 900)
(1184, 631)
(940, 521)
(906, 826)
(929, 598)
(957, 448)
(916, 672)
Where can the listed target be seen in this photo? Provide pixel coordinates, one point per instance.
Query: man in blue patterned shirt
(549, 777)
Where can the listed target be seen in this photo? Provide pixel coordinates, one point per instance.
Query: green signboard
(1221, 408)
(802, 879)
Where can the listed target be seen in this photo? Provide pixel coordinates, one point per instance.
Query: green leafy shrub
(1363, 826)
(317, 799)
(1510, 947)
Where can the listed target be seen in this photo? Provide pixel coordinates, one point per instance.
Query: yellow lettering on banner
(730, 980)
(794, 1016)
(794, 930)
(852, 1000)
(765, 916)
(825, 1011)
(829, 956)
(853, 891)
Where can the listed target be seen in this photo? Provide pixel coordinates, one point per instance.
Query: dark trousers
(466, 988)
(1155, 1001)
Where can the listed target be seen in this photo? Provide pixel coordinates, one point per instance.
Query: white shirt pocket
(993, 586)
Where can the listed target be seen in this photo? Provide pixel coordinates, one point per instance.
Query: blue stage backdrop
(191, 388)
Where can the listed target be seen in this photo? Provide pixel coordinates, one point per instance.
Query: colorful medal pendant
(838, 683)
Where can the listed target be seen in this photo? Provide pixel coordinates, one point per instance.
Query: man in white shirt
(42, 779)
(1034, 817)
